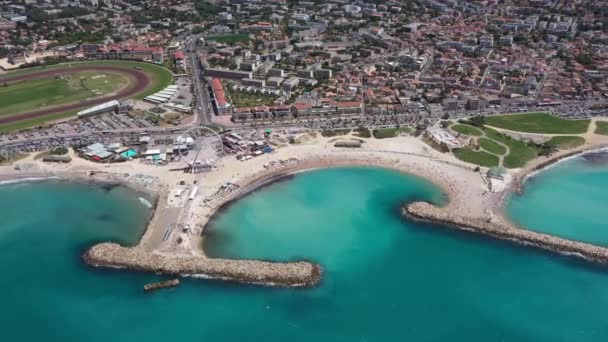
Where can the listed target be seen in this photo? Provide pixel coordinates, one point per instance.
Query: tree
(547, 148)
(585, 59)
(478, 121)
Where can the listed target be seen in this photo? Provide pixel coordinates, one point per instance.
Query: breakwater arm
(280, 274)
(425, 212)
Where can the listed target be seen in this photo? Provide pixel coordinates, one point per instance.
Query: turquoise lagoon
(386, 278)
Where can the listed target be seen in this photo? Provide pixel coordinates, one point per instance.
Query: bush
(363, 132)
(59, 151)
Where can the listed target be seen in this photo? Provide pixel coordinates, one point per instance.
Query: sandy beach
(173, 241)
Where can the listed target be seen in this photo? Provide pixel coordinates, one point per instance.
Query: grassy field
(40, 121)
(601, 127)
(383, 133)
(17, 98)
(538, 122)
(229, 38)
(466, 130)
(520, 152)
(566, 142)
(492, 146)
(160, 77)
(474, 157)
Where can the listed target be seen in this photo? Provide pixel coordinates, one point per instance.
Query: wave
(561, 161)
(145, 202)
(28, 179)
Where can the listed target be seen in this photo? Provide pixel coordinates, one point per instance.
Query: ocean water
(386, 279)
(569, 200)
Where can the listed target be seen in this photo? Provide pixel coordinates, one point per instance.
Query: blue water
(568, 200)
(386, 279)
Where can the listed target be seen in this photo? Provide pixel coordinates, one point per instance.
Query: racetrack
(139, 82)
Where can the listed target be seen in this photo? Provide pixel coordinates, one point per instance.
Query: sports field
(32, 96)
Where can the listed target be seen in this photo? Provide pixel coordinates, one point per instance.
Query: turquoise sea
(570, 200)
(386, 279)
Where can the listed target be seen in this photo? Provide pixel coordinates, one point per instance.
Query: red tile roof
(218, 90)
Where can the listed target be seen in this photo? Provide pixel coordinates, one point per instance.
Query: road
(203, 109)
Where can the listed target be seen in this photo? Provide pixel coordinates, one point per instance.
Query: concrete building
(274, 82)
(290, 84)
(227, 73)
(149, 54)
(255, 82)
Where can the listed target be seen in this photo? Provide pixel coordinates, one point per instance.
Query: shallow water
(569, 200)
(386, 279)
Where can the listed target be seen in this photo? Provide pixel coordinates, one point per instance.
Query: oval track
(140, 82)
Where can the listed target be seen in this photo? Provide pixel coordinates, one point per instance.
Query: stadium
(33, 96)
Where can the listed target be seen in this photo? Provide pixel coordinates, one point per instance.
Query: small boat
(161, 285)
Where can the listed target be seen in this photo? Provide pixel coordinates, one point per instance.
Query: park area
(537, 122)
(33, 96)
(490, 147)
(240, 99)
(601, 127)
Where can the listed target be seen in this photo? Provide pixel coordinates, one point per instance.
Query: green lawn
(491, 146)
(383, 133)
(18, 97)
(480, 158)
(160, 77)
(466, 130)
(601, 127)
(567, 142)
(39, 121)
(538, 122)
(520, 152)
(34, 94)
(239, 99)
(229, 38)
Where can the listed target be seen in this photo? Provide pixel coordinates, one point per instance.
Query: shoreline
(468, 206)
(501, 226)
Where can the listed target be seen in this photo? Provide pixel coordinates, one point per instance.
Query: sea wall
(425, 212)
(278, 274)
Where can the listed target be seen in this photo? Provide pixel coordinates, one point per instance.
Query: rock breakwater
(278, 274)
(425, 212)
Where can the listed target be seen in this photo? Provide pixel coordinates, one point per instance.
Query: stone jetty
(278, 274)
(425, 212)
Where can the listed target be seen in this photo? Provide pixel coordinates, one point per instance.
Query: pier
(277, 274)
(425, 212)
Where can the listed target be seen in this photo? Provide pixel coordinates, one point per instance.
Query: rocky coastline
(275, 274)
(518, 183)
(425, 212)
